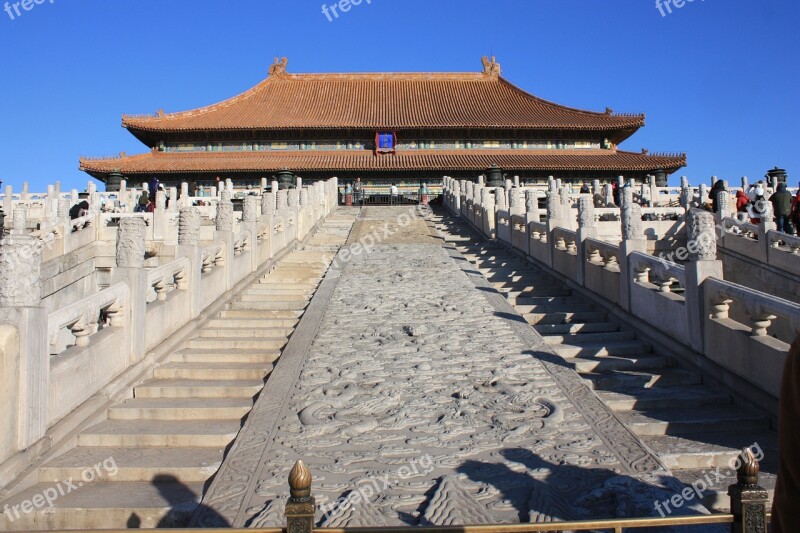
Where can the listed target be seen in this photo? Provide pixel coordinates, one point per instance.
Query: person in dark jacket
(81, 209)
(782, 208)
(786, 503)
(153, 188)
(718, 187)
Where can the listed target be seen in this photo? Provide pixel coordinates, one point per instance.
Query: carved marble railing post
(531, 205)
(184, 199)
(686, 197)
(224, 233)
(124, 201)
(51, 204)
(701, 244)
(587, 228)
(633, 240)
(702, 197)
(173, 205)
(301, 505)
(27, 374)
(63, 210)
(189, 246)
(516, 205)
(748, 499)
(765, 225)
(488, 199)
(8, 201)
(130, 258)
(723, 206)
(555, 218)
(250, 223)
(653, 188)
(160, 219)
(20, 219)
(608, 195)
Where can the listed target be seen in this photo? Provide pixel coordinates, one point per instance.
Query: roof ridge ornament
(491, 67)
(278, 68)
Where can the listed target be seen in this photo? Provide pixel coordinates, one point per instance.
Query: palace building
(384, 128)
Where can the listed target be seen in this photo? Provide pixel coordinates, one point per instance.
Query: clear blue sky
(718, 79)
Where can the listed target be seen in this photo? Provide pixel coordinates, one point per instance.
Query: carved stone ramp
(147, 464)
(696, 429)
(414, 400)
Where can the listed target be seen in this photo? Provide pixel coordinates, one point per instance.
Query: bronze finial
(747, 473)
(300, 480)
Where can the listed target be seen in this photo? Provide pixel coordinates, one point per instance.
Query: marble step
(161, 433)
(190, 388)
(276, 290)
(270, 297)
(163, 502)
(232, 323)
(212, 371)
(181, 409)
(711, 450)
(553, 308)
(664, 398)
(299, 284)
(537, 303)
(251, 332)
(232, 356)
(188, 465)
(538, 290)
(269, 306)
(530, 298)
(263, 314)
(617, 363)
(237, 343)
(573, 329)
(565, 318)
(599, 349)
(651, 422)
(673, 377)
(586, 338)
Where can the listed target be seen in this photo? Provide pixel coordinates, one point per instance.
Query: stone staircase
(146, 465)
(692, 426)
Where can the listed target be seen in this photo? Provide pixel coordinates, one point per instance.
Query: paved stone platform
(414, 399)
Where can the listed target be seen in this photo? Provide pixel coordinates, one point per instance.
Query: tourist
(718, 187)
(358, 191)
(782, 208)
(615, 192)
(585, 189)
(741, 202)
(786, 503)
(141, 205)
(393, 192)
(796, 211)
(81, 209)
(758, 204)
(153, 186)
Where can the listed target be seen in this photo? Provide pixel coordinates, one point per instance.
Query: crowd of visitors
(752, 205)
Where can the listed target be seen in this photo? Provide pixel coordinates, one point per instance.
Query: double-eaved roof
(294, 106)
